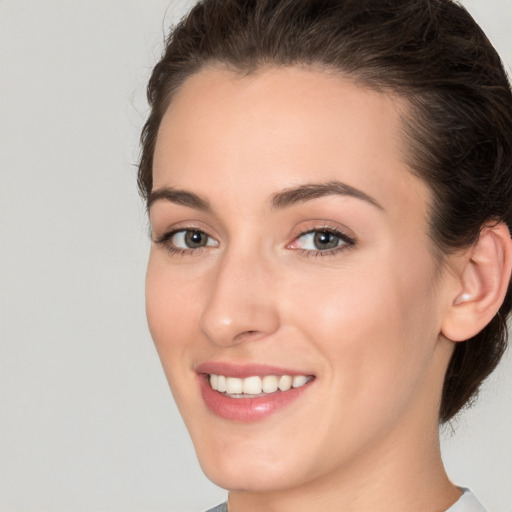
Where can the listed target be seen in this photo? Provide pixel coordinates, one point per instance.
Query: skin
(365, 319)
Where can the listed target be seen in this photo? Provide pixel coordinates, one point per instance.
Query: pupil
(195, 239)
(324, 240)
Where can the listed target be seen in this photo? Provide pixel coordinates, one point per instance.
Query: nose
(240, 305)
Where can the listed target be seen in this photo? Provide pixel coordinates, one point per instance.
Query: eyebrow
(280, 200)
(307, 192)
(180, 197)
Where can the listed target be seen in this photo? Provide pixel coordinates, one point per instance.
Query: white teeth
(299, 380)
(270, 384)
(221, 384)
(285, 383)
(252, 385)
(256, 385)
(234, 386)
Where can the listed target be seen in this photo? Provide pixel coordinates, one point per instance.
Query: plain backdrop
(87, 421)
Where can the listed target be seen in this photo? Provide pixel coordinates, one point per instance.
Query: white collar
(467, 503)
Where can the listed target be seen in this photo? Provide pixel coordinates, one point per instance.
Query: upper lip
(245, 370)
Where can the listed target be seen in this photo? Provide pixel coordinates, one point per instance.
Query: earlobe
(482, 284)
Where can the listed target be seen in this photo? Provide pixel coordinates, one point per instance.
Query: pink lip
(245, 370)
(246, 409)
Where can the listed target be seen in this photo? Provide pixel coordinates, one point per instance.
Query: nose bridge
(240, 305)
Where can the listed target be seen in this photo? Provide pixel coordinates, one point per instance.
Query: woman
(329, 189)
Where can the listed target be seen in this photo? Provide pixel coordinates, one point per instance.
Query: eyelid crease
(328, 227)
(175, 227)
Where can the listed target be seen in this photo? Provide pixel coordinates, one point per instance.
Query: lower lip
(247, 409)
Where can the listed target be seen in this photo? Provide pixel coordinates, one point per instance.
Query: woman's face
(290, 248)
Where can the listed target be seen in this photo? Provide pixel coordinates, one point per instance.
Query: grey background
(87, 422)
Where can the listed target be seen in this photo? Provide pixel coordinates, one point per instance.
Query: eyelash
(164, 240)
(347, 242)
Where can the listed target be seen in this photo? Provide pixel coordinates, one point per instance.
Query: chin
(250, 477)
(251, 466)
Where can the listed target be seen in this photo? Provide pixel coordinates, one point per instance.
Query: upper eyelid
(324, 226)
(167, 235)
(185, 226)
(334, 231)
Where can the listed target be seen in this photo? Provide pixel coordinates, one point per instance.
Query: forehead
(281, 127)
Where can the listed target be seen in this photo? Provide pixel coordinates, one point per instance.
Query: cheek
(171, 309)
(374, 326)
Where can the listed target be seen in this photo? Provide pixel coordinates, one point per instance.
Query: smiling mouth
(255, 386)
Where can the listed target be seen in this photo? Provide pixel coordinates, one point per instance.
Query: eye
(185, 240)
(191, 239)
(322, 240)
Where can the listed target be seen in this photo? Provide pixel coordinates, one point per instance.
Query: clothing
(223, 507)
(466, 503)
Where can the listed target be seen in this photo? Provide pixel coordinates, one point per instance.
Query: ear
(481, 285)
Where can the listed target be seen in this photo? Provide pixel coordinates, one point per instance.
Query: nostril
(248, 335)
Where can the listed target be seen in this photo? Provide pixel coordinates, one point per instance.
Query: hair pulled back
(429, 52)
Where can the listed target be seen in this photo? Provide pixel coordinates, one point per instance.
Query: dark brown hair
(429, 52)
